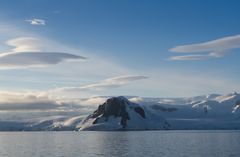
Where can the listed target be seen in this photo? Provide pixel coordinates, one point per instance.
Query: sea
(121, 144)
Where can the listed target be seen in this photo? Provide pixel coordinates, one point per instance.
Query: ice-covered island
(207, 112)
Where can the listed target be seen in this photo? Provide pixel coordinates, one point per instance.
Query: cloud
(56, 76)
(190, 57)
(36, 101)
(113, 82)
(25, 44)
(105, 84)
(40, 22)
(25, 101)
(27, 52)
(34, 59)
(214, 49)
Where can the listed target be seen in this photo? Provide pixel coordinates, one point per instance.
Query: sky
(148, 48)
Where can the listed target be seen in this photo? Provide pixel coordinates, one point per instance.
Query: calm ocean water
(121, 144)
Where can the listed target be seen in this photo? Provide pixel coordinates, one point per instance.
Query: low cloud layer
(40, 22)
(15, 101)
(24, 101)
(207, 50)
(35, 107)
(26, 52)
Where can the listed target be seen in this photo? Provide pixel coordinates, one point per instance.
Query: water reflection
(122, 144)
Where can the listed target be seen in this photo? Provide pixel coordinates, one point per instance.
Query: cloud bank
(206, 50)
(25, 101)
(42, 105)
(13, 101)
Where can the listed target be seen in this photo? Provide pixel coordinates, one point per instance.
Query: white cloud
(40, 22)
(105, 84)
(214, 49)
(27, 52)
(25, 44)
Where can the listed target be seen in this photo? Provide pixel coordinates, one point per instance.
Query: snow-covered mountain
(204, 112)
(132, 113)
(118, 113)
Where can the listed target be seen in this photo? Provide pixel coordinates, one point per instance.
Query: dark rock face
(116, 106)
(140, 111)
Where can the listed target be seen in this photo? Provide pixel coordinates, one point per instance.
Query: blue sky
(132, 47)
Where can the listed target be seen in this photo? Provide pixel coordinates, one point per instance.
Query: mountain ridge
(201, 112)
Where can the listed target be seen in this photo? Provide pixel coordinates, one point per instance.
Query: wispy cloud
(40, 22)
(105, 84)
(190, 57)
(27, 52)
(206, 50)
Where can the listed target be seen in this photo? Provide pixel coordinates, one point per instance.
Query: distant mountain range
(134, 113)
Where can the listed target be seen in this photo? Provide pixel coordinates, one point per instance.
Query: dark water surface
(121, 144)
